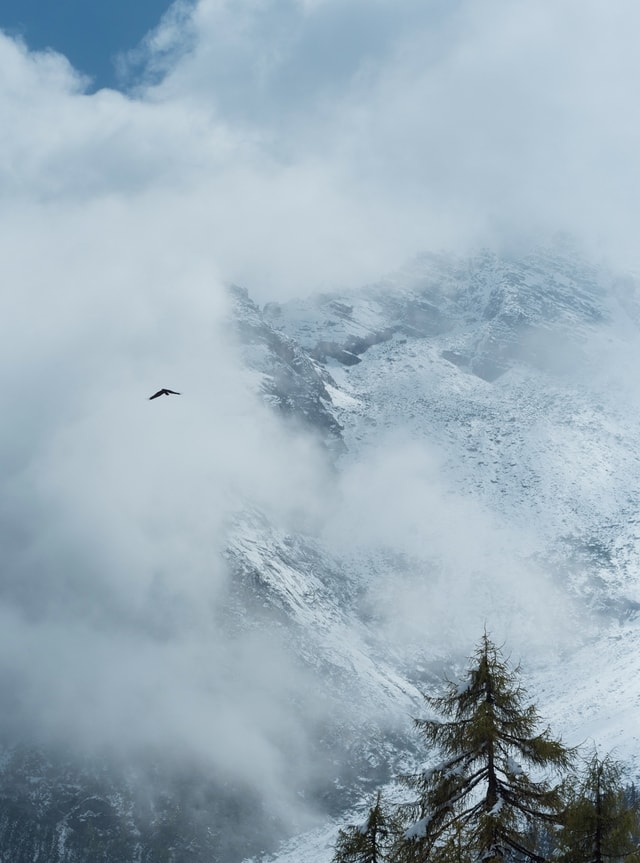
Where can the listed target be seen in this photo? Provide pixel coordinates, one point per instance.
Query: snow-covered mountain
(508, 385)
(478, 426)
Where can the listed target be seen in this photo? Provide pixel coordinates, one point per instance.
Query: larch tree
(368, 842)
(481, 796)
(601, 824)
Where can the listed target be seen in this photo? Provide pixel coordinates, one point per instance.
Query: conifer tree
(480, 790)
(600, 823)
(368, 842)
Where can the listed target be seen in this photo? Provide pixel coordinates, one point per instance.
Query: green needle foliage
(369, 842)
(479, 802)
(600, 824)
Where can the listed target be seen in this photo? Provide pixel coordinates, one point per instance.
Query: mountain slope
(477, 427)
(509, 383)
(520, 373)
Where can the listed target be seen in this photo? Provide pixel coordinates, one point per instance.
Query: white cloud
(325, 143)
(441, 565)
(285, 146)
(415, 125)
(113, 508)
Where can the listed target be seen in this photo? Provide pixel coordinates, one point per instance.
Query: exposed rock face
(292, 380)
(496, 311)
(54, 809)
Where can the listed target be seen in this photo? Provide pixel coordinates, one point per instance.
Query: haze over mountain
(451, 448)
(415, 413)
(490, 421)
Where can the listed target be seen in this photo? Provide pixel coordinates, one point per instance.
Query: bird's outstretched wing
(164, 392)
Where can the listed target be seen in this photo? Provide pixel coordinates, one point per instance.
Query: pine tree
(601, 824)
(368, 842)
(480, 790)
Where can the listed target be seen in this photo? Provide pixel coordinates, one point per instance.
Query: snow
(341, 399)
(417, 830)
(517, 494)
(496, 809)
(315, 846)
(594, 697)
(513, 767)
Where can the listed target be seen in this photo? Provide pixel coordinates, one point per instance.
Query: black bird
(164, 392)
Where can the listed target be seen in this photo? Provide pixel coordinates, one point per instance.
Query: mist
(367, 132)
(441, 566)
(289, 148)
(413, 126)
(115, 509)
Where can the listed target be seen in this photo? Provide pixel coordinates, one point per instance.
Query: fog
(406, 125)
(368, 131)
(114, 507)
(442, 566)
(288, 147)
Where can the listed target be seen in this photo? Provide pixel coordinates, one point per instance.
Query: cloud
(440, 565)
(113, 509)
(419, 125)
(324, 143)
(286, 146)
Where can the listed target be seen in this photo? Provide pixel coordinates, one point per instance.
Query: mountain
(477, 424)
(509, 382)
(521, 374)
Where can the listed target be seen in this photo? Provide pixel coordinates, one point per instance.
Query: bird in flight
(164, 392)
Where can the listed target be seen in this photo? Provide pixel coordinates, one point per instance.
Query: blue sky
(90, 33)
